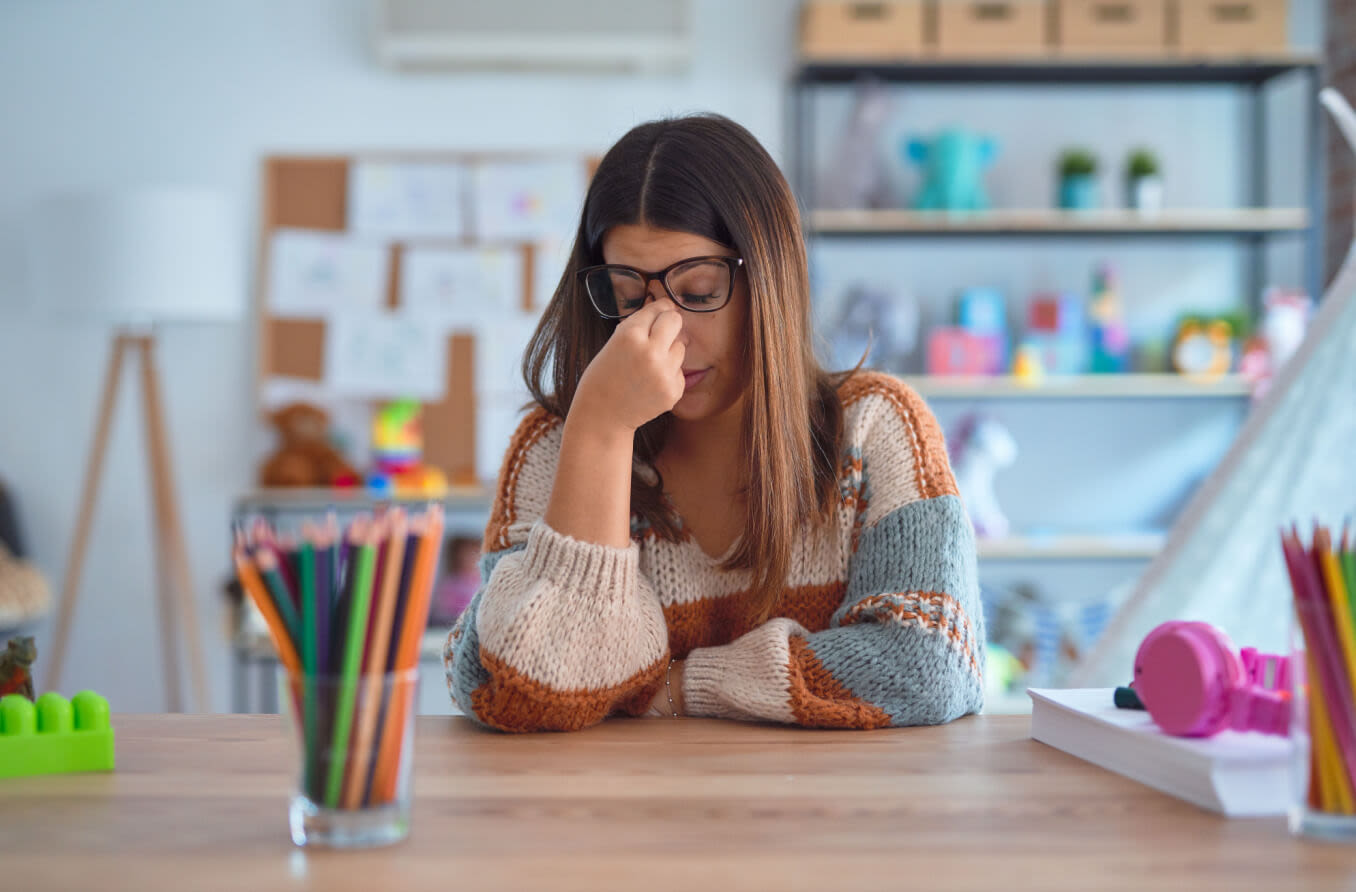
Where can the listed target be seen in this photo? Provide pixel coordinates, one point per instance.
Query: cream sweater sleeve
(562, 633)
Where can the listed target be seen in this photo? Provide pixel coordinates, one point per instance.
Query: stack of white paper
(1241, 774)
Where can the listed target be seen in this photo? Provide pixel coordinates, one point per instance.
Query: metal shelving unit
(1255, 224)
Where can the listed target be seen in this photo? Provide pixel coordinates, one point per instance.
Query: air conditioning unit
(525, 35)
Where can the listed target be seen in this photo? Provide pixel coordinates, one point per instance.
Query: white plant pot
(1146, 194)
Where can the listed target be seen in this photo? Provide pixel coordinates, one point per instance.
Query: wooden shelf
(1041, 222)
(1125, 546)
(1061, 70)
(1129, 386)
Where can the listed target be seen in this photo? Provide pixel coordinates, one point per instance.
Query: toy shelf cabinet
(1254, 233)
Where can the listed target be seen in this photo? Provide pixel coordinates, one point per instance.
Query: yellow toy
(397, 454)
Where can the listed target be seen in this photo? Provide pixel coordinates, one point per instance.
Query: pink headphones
(1194, 685)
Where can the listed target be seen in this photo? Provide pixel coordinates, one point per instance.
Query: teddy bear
(305, 456)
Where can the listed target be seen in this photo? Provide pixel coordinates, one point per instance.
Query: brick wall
(1340, 63)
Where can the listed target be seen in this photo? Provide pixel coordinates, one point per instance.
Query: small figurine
(1284, 320)
(856, 176)
(953, 170)
(16, 667)
(979, 448)
(1110, 337)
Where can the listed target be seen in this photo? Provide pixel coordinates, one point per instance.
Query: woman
(696, 519)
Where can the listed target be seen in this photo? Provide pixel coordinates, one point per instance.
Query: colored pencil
(354, 635)
(254, 587)
(412, 628)
(267, 561)
(309, 637)
(375, 664)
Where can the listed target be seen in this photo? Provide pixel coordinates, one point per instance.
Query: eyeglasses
(697, 284)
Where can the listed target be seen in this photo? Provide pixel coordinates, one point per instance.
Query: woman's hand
(638, 375)
(659, 706)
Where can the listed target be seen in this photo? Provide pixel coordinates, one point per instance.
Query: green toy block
(54, 735)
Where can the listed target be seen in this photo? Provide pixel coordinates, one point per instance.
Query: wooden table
(200, 802)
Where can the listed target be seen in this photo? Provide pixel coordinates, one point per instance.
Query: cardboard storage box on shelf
(992, 28)
(1111, 28)
(881, 31)
(1231, 27)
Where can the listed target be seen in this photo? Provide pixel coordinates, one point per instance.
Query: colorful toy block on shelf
(54, 735)
(984, 313)
(954, 351)
(1057, 332)
(397, 453)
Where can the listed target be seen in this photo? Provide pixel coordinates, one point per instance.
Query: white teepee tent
(1293, 461)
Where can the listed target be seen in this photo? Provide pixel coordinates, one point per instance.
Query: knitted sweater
(879, 623)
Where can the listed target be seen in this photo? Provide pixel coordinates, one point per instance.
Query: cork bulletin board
(312, 193)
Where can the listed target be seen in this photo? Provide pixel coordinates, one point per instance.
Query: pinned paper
(527, 200)
(500, 347)
(458, 287)
(395, 200)
(316, 274)
(385, 355)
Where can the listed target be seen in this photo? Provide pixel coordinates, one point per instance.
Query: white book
(1235, 773)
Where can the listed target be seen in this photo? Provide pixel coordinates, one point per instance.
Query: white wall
(98, 94)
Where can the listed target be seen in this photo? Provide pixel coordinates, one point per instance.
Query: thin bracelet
(668, 678)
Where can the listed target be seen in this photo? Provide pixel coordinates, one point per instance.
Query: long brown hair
(706, 175)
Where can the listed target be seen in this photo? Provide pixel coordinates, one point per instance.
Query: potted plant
(1078, 179)
(1143, 183)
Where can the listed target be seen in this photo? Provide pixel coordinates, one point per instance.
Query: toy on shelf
(1203, 346)
(953, 170)
(54, 735)
(979, 448)
(876, 324)
(16, 667)
(954, 351)
(305, 456)
(1028, 366)
(1057, 332)
(984, 313)
(1110, 336)
(856, 176)
(397, 453)
(1285, 317)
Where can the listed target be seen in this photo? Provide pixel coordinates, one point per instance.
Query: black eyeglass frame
(733, 263)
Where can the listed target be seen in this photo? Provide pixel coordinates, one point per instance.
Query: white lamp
(136, 260)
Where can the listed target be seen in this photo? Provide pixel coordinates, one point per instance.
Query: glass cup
(1316, 808)
(355, 742)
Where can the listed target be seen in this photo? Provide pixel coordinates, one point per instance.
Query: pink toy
(1194, 685)
(955, 351)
